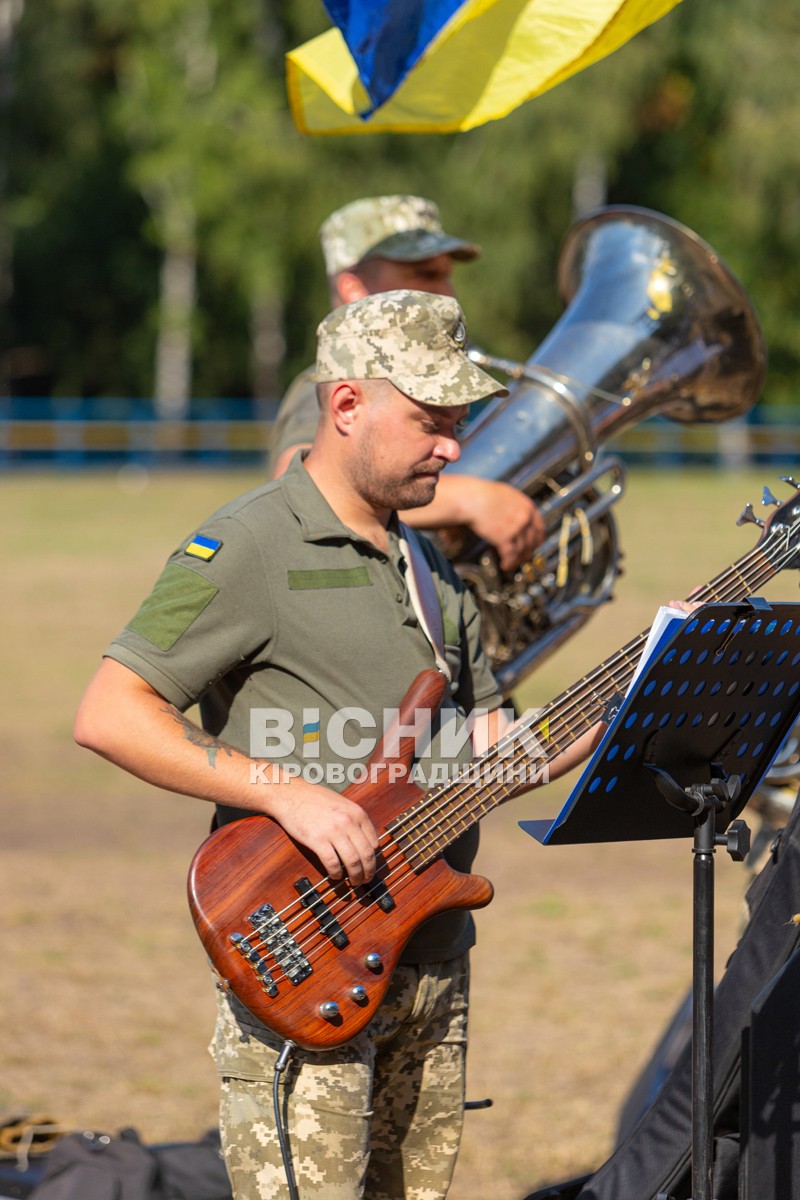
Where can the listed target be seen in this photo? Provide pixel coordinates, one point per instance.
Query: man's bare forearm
(123, 719)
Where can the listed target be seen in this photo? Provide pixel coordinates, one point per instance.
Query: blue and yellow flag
(439, 66)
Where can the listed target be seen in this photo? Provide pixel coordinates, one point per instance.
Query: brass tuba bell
(655, 323)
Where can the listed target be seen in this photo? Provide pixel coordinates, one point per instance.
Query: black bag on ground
(92, 1166)
(192, 1170)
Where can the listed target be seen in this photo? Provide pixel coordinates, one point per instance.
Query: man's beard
(412, 491)
(415, 488)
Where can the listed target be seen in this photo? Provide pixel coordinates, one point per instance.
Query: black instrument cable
(280, 1067)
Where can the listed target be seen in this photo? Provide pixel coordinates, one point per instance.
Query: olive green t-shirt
(298, 639)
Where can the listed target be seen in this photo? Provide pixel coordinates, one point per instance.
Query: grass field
(105, 1003)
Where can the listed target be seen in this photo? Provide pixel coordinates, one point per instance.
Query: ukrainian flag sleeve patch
(203, 547)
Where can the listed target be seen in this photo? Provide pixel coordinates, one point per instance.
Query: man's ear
(350, 287)
(345, 401)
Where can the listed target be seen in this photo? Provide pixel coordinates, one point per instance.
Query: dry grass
(104, 999)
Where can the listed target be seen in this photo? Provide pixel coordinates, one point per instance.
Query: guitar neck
(443, 814)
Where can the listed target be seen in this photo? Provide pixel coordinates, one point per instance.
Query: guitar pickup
(378, 891)
(311, 899)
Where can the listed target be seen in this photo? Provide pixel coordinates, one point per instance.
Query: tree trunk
(589, 185)
(268, 350)
(173, 382)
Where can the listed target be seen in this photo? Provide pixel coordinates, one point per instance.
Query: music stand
(683, 753)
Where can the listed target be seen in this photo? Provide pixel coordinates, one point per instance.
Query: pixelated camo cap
(402, 228)
(416, 340)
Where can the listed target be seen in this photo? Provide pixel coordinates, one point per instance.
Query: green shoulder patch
(177, 599)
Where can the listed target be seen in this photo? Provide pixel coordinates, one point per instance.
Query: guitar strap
(424, 599)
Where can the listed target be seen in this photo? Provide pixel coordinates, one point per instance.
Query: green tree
(164, 210)
(83, 275)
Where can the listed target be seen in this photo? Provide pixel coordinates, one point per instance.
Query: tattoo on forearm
(198, 737)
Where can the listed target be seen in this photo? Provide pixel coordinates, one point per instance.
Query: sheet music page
(662, 620)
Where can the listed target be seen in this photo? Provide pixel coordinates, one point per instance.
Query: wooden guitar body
(312, 957)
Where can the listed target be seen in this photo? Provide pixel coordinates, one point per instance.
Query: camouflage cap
(403, 228)
(415, 340)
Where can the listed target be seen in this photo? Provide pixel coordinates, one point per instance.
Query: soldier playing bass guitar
(298, 617)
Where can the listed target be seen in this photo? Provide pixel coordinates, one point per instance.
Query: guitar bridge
(272, 933)
(280, 943)
(256, 961)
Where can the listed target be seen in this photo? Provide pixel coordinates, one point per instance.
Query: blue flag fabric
(387, 38)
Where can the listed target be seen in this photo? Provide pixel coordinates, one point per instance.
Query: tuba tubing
(655, 323)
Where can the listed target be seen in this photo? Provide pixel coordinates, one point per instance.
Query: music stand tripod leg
(704, 802)
(703, 1004)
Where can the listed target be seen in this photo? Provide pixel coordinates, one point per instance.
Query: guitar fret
(419, 841)
(484, 806)
(747, 583)
(553, 749)
(425, 838)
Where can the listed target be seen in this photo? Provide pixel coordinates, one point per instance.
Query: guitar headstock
(780, 537)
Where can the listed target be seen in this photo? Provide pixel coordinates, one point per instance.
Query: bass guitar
(312, 957)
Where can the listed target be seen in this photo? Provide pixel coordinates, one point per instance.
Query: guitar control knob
(359, 994)
(373, 961)
(329, 1010)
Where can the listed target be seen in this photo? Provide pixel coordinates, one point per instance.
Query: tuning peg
(748, 517)
(768, 498)
(789, 479)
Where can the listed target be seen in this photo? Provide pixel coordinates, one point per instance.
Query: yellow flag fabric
(492, 56)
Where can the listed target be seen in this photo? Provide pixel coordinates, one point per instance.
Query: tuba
(655, 323)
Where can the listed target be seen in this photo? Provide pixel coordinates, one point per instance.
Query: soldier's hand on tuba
(507, 519)
(494, 512)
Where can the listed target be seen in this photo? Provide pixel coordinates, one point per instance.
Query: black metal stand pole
(703, 802)
(703, 1006)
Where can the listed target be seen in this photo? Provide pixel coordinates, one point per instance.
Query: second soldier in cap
(380, 244)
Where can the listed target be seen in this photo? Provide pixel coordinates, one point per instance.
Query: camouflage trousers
(377, 1119)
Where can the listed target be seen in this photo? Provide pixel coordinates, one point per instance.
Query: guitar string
(454, 790)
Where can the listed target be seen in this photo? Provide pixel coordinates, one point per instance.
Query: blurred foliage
(133, 128)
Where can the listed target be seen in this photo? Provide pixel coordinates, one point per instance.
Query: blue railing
(101, 431)
(110, 431)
